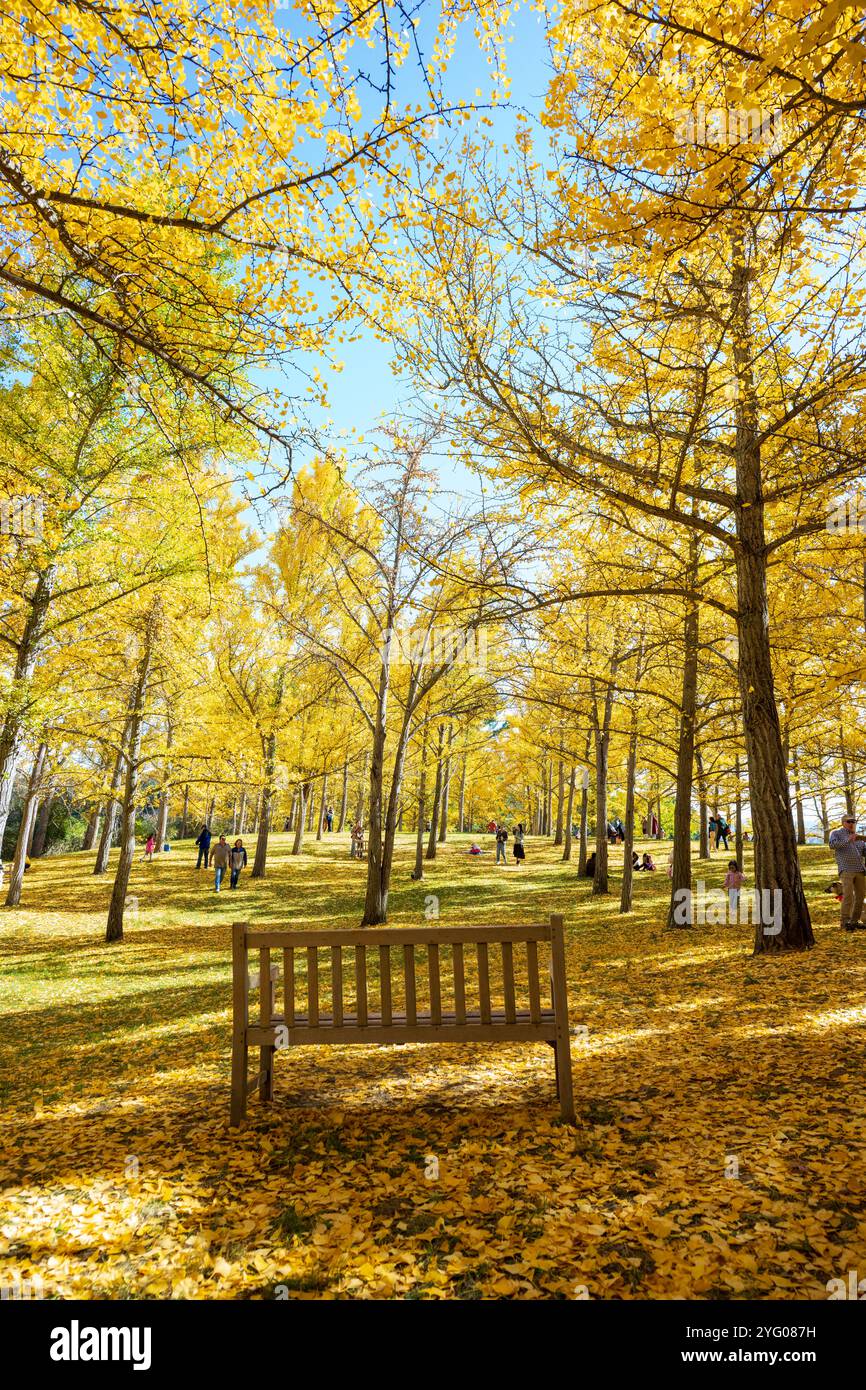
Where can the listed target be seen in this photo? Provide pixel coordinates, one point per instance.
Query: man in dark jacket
(203, 841)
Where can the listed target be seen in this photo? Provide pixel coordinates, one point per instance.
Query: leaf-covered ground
(719, 1151)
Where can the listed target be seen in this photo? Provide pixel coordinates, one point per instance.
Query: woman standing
(519, 852)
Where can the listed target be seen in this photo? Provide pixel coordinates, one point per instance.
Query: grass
(718, 1154)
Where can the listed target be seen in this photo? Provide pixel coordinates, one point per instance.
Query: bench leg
(239, 1078)
(563, 1077)
(266, 1073)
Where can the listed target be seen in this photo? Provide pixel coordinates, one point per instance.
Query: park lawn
(718, 1152)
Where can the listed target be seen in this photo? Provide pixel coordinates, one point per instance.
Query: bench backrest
(454, 981)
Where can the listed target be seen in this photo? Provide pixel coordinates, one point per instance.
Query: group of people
(500, 831)
(221, 857)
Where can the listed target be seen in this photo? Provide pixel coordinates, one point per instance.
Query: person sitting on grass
(474, 849)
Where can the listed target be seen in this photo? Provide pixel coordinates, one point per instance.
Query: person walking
(711, 833)
(329, 818)
(237, 861)
(723, 830)
(203, 840)
(519, 851)
(501, 842)
(149, 847)
(734, 880)
(220, 859)
(847, 846)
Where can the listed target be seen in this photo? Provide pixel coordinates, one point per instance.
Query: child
(648, 865)
(670, 865)
(734, 880)
(149, 847)
(475, 849)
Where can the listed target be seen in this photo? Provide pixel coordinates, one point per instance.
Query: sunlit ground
(719, 1151)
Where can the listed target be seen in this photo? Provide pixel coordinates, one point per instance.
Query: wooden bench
(395, 1014)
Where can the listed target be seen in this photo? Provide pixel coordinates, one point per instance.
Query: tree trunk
(162, 821)
(560, 803)
(461, 800)
(704, 836)
(738, 823)
(344, 798)
(17, 696)
(602, 747)
(798, 803)
(437, 796)
(304, 790)
(681, 877)
(92, 829)
(40, 833)
(28, 813)
(584, 816)
(418, 871)
(777, 867)
(184, 815)
(322, 806)
(847, 788)
(114, 925)
(628, 839)
(359, 808)
(242, 813)
(270, 758)
(446, 788)
(113, 806)
(566, 853)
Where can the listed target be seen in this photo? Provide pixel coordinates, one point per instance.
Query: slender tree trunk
(566, 853)
(446, 788)
(28, 814)
(777, 867)
(560, 803)
(602, 748)
(242, 813)
(114, 925)
(92, 829)
(344, 798)
(365, 775)
(304, 790)
(461, 800)
(184, 815)
(260, 861)
(738, 823)
(704, 840)
(17, 696)
(583, 846)
(40, 833)
(798, 803)
(847, 788)
(625, 900)
(418, 871)
(681, 877)
(322, 806)
(437, 796)
(293, 811)
(113, 806)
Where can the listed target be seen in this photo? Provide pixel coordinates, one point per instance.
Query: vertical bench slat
(483, 981)
(266, 1053)
(409, 974)
(361, 984)
(508, 981)
(560, 1005)
(240, 1020)
(435, 990)
(459, 983)
(312, 987)
(385, 984)
(289, 985)
(337, 984)
(534, 990)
